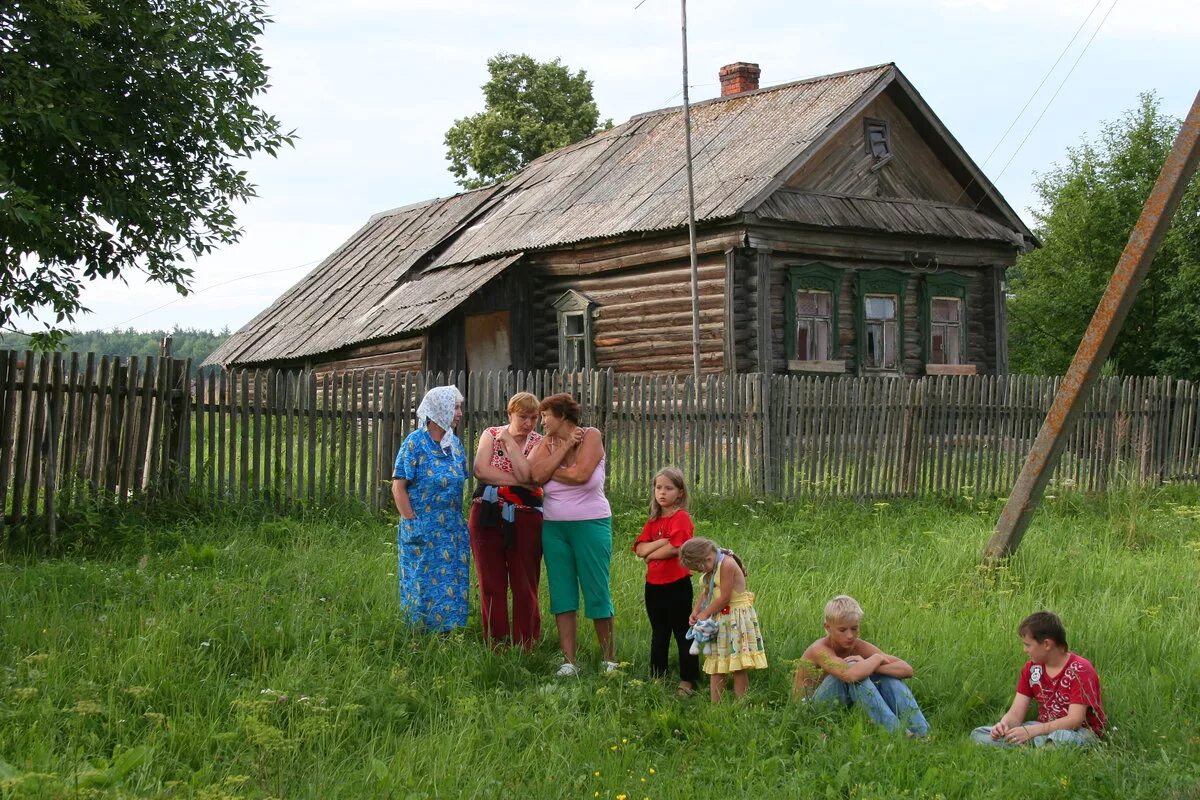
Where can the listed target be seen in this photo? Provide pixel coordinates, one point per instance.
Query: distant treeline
(185, 342)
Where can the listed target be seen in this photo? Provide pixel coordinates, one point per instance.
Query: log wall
(644, 316)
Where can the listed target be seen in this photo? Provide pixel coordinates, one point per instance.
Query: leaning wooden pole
(691, 197)
(1098, 339)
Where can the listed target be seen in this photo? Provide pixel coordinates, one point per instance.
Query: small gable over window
(878, 139)
(575, 312)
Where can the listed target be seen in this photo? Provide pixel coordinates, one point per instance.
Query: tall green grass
(228, 653)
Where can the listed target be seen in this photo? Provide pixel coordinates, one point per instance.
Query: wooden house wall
(979, 307)
(510, 291)
(741, 298)
(402, 355)
(644, 319)
(843, 166)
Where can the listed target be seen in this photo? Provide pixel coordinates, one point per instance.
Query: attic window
(878, 139)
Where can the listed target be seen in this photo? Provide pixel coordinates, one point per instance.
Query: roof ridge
(763, 90)
(391, 212)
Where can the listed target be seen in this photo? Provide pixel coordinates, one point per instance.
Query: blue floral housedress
(433, 549)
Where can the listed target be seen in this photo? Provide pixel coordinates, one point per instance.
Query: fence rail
(76, 429)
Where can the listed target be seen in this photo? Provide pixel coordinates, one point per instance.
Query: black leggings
(668, 605)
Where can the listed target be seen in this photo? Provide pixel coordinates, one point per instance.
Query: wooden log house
(841, 230)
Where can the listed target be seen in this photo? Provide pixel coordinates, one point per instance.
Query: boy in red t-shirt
(668, 583)
(1064, 685)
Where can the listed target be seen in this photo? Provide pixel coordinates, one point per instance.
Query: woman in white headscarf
(432, 544)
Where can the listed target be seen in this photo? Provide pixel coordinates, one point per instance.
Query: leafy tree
(531, 108)
(1089, 206)
(121, 123)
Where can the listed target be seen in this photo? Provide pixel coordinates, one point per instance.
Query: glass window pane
(802, 340)
(573, 324)
(881, 306)
(937, 349)
(953, 345)
(874, 344)
(812, 304)
(821, 350)
(946, 309)
(889, 345)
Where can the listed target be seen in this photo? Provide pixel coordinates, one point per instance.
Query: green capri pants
(578, 554)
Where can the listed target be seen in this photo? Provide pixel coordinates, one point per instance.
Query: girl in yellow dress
(739, 645)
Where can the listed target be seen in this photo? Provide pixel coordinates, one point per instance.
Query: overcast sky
(372, 85)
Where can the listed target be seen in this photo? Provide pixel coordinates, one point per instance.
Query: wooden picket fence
(77, 429)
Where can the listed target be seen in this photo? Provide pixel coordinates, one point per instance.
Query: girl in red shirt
(668, 583)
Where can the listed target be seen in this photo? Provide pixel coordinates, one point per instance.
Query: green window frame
(878, 282)
(818, 278)
(949, 285)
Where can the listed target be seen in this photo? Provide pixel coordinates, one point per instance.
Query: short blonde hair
(843, 608)
(523, 403)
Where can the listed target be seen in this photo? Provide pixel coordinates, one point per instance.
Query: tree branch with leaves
(123, 126)
(530, 109)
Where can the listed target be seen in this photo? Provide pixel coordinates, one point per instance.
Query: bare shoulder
(816, 649)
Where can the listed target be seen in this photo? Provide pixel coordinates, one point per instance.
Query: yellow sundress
(739, 643)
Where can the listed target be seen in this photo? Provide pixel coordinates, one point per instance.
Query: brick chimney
(739, 77)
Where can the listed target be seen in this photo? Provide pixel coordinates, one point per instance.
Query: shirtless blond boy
(842, 668)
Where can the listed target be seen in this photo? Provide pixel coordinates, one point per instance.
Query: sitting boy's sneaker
(611, 666)
(567, 670)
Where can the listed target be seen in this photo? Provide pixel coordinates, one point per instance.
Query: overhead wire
(1032, 95)
(215, 286)
(1053, 97)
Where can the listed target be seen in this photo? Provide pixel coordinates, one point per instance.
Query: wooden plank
(312, 420)
(224, 387)
(128, 403)
(53, 434)
(70, 435)
(290, 436)
(200, 465)
(8, 410)
(37, 433)
(22, 424)
(346, 461)
(145, 408)
(257, 484)
(243, 419)
(272, 438)
(88, 439)
(366, 404)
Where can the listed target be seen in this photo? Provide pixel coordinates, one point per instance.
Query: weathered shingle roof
(631, 178)
(342, 301)
(885, 214)
(389, 278)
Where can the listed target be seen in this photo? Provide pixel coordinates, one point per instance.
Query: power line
(1056, 91)
(1034, 94)
(214, 286)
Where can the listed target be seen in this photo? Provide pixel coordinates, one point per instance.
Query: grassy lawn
(237, 655)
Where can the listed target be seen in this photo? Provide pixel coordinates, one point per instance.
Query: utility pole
(691, 194)
(1098, 340)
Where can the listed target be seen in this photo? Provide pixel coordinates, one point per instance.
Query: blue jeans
(888, 701)
(1079, 737)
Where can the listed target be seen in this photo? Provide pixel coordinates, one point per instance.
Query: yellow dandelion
(624, 740)
(622, 797)
(652, 771)
(596, 774)
(613, 748)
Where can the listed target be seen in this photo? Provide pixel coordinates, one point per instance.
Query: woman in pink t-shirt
(577, 531)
